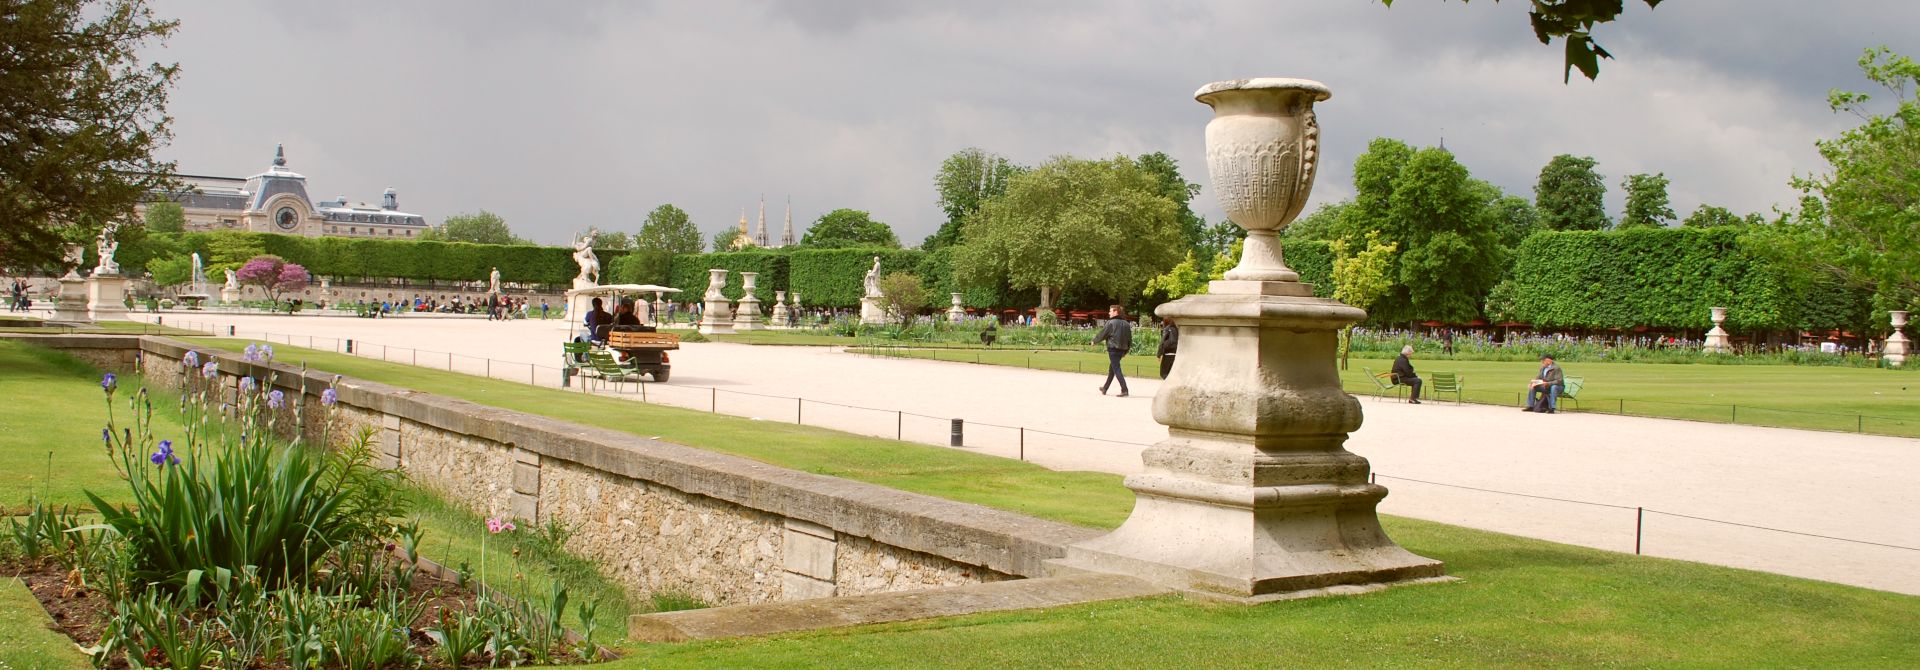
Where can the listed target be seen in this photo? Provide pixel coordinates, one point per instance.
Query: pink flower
(497, 525)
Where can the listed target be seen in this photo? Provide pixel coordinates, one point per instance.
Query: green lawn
(32, 325)
(25, 641)
(1823, 398)
(51, 422)
(779, 337)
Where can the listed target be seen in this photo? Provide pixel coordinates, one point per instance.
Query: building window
(409, 233)
(353, 231)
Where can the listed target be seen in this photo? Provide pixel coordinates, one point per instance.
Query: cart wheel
(659, 376)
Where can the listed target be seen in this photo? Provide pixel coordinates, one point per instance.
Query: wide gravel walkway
(1833, 484)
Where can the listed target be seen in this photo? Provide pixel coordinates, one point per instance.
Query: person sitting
(1403, 374)
(991, 333)
(598, 322)
(1543, 393)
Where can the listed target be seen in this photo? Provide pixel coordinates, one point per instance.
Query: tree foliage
(1426, 205)
(1860, 222)
(356, 258)
(669, 229)
(903, 296)
(1647, 205)
(81, 114)
(689, 273)
(843, 228)
(1103, 226)
(274, 275)
(966, 179)
(1166, 170)
(1570, 195)
(1710, 216)
(482, 227)
(166, 217)
(1362, 274)
(1324, 223)
(1572, 21)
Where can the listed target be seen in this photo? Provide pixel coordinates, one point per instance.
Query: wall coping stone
(966, 533)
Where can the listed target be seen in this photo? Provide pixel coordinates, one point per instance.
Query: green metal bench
(1447, 382)
(1570, 389)
(1383, 387)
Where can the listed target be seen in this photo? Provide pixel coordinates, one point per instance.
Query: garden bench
(1447, 382)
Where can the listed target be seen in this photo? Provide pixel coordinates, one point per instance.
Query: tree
(1710, 216)
(171, 270)
(723, 240)
(669, 229)
(81, 117)
(166, 217)
(615, 240)
(1166, 170)
(1647, 205)
(1572, 21)
(1184, 279)
(843, 228)
(482, 227)
(274, 275)
(1103, 226)
(229, 251)
(1220, 236)
(903, 296)
(1361, 276)
(1324, 223)
(1425, 204)
(1570, 195)
(1510, 215)
(1858, 222)
(965, 180)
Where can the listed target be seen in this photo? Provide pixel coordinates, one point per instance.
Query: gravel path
(1772, 477)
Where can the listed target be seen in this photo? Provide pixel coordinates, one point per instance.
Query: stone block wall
(656, 516)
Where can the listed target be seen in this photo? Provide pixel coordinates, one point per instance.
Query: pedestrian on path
(1118, 336)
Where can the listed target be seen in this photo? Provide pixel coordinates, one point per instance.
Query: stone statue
(873, 279)
(233, 281)
(493, 280)
(107, 246)
(589, 263)
(76, 255)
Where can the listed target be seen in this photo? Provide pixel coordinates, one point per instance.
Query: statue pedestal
(746, 315)
(107, 297)
(229, 295)
(70, 304)
(956, 315)
(716, 318)
(1252, 497)
(1717, 340)
(871, 313)
(1894, 352)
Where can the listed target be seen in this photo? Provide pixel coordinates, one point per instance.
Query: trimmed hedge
(688, 272)
(836, 277)
(406, 259)
(1313, 259)
(1664, 278)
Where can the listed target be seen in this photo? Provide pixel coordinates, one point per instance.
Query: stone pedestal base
(1718, 342)
(716, 318)
(1895, 351)
(107, 297)
(1252, 496)
(956, 315)
(781, 315)
(229, 295)
(70, 304)
(871, 313)
(746, 315)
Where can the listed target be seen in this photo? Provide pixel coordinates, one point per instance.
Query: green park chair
(608, 369)
(1571, 389)
(573, 355)
(1447, 382)
(1382, 387)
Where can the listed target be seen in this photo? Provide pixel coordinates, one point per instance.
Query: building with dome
(276, 201)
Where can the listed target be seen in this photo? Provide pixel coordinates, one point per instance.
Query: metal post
(349, 346)
(714, 401)
(230, 331)
(1860, 421)
(1639, 522)
(416, 356)
(1023, 443)
(489, 366)
(1373, 478)
(566, 377)
(799, 406)
(899, 425)
(958, 436)
(1736, 414)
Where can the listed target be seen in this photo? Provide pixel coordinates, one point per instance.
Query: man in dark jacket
(1118, 335)
(1543, 393)
(1169, 345)
(1403, 373)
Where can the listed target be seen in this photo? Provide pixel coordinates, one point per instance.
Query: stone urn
(1717, 340)
(1895, 352)
(1263, 148)
(716, 316)
(956, 313)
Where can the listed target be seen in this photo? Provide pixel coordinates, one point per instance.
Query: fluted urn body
(1263, 149)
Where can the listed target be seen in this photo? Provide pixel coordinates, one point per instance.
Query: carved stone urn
(1895, 351)
(716, 317)
(1263, 148)
(1717, 340)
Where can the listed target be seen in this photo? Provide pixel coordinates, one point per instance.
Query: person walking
(1403, 373)
(1169, 345)
(1118, 336)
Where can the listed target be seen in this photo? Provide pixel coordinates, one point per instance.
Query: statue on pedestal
(871, 312)
(493, 280)
(107, 246)
(589, 263)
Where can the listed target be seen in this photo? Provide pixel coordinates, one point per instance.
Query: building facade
(276, 201)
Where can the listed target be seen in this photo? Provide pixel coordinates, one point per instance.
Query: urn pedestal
(70, 304)
(229, 295)
(716, 313)
(1253, 496)
(746, 315)
(1717, 340)
(107, 297)
(1895, 351)
(956, 313)
(780, 312)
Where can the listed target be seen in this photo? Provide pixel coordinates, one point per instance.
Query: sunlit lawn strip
(53, 410)
(25, 639)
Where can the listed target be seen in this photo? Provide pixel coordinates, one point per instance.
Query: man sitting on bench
(1403, 374)
(1543, 393)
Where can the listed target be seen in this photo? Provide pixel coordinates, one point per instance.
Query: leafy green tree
(843, 228)
(1361, 276)
(903, 296)
(81, 116)
(725, 239)
(229, 251)
(615, 240)
(1572, 21)
(1570, 195)
(166, 217)
(1176, 188)
(1324, 223)
(1513, 217)
(669, 229)
(482, 227)
(1220, 236)
(1425, 204)
(1859, 222)
(1647, 205)
(1185, 278)
(965, 180)
(1709, 216)
(1072, 224)
(171, 270)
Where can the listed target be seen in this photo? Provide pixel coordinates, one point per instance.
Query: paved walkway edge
(802, 615)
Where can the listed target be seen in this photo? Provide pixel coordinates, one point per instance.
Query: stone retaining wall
(656, 516)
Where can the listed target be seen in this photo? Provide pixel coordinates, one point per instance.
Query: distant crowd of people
(496, 307)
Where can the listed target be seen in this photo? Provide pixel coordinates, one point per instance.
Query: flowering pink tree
(273, 275)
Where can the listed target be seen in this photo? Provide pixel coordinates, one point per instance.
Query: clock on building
(286, 218)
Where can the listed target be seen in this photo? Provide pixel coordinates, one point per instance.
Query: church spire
(761, 237)
(786, 238)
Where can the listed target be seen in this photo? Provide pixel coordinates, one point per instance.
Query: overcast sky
(562, 115)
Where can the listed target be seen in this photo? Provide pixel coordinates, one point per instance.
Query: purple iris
(246, 384)
(266, 353)
(211, 370)
(109, 382)
(106, 437)
(276, 399)
(329, 397)
(252, 353)
(192, 359)
(165, 455)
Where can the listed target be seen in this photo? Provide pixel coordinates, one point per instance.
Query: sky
(561, 116)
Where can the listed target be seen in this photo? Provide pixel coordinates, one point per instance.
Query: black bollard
(349, 346)
(959, 431)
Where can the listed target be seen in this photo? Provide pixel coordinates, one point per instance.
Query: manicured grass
(1522, 604)
(51, 421)
(1869, 400)
(778, 337)
(1087, 498)
(25, 641)
(28, 325)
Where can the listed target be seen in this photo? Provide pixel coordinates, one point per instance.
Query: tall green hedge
(406, 259)
(836, 277)
(1313, 259)
(1663, 278)
(688, 272)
